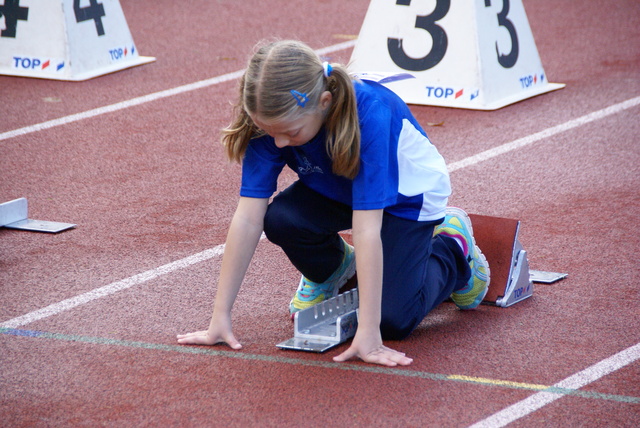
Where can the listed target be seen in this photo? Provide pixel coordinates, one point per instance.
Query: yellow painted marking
(345, 36)
(497, 382)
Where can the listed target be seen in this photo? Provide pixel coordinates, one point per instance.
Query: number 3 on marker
(440, 41)
(510, 59)
(438, 35)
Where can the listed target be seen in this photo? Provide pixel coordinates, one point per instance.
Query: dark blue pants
(420, 271)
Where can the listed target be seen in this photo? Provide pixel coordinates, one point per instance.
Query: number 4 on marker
(10, 13)
(95, 11)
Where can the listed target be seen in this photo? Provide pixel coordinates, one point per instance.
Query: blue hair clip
(301, 98)
(327, 69)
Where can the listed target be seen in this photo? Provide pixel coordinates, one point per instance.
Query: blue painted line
(25, 333)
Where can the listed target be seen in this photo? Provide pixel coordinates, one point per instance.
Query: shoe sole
(464, 217)
(485, 263)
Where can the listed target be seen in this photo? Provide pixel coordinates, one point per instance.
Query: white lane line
(112, 288)
(147, 98)
(119, 106)
(549, 132)
(576, 381)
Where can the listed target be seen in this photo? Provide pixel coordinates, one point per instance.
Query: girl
(364, 163)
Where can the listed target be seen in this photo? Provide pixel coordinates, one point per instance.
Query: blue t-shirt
(400, 170)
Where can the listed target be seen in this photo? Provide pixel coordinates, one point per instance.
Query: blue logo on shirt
(308, 168)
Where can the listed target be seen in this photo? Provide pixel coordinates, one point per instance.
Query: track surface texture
(88, 317)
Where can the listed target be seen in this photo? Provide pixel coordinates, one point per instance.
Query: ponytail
(237, 135)
(343, 126)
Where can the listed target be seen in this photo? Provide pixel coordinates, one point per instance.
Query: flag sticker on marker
(37, 64)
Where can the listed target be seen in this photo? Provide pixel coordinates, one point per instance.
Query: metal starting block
(325, 325)
(498, 240)
(511, 279)
(13, 215)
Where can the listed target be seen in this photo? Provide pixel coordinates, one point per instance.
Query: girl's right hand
(217, 333)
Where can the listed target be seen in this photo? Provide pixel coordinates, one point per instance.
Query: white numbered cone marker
(65, 39)
(476, 54)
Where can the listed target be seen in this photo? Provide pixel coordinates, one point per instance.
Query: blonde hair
(275, 70)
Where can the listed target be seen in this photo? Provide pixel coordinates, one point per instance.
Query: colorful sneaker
(457, 225)
(310, 293)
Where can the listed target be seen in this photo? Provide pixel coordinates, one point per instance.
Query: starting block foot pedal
(498, 239)
(13, 215)
(325, 325)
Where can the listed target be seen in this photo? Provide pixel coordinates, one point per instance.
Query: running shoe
(310, 293)
(457, 225)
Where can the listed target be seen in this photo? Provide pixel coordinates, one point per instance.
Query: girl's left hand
(371, 350)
